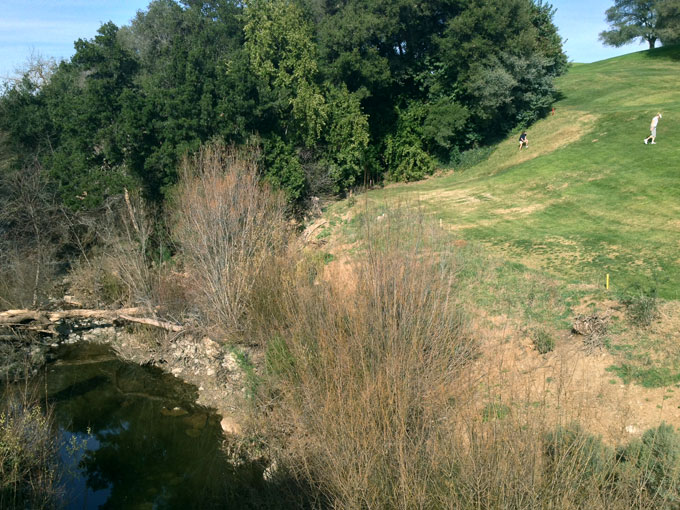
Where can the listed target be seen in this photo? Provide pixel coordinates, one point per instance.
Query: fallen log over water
(168, 326)
(46, 321)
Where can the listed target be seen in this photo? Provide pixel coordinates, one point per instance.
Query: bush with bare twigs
(228, 226)
(129, 265)
(30, 237)
(362, 375)
(117, 270)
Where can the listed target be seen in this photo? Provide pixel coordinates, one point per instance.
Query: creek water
(133, 437)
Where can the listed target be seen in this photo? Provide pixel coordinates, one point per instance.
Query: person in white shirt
(652, 128)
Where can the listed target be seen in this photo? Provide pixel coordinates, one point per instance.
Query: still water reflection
(134, 438)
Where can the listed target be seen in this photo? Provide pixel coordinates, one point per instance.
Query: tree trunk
(46, 321)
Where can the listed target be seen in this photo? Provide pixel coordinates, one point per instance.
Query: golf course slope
(588, 198)
(538, 233)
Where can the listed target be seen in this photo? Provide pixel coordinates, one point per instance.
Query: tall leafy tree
(669, 21)
(75, 140)
(631, 20)
(499, 60)
(282, 54)
(402, 58)
(310, 116)
(333, 92)
(177, 100)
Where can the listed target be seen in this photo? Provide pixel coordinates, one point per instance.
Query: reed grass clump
(642, 307)
(28, 453)
(543, 341)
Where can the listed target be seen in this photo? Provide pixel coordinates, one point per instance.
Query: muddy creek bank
(133, 437)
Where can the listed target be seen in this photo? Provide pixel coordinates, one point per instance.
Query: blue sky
(580, 22)
(49, 27)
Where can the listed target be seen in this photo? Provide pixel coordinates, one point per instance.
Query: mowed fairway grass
(588, 198)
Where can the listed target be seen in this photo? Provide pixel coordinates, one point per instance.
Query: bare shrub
(228, 226)
(30, 238)
(117, 269)
(363, 376)
(94, 284)
(40, 238)
(26, 276)
(128, 247)
(128, 264)
(521, 462)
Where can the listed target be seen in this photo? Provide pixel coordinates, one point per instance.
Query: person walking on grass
(524, 141)
(652, 128)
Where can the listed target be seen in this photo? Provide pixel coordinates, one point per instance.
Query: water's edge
(148, 425)
(133, 436)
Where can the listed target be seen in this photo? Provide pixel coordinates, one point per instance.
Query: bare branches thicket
(40, 239)
(30, 238)
(37, 68)
(129, 246)
(115, 266)
(363, 375)
(228, 226)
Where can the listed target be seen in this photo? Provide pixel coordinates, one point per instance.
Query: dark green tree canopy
(648, 20)
(669, 21)
(332, 94)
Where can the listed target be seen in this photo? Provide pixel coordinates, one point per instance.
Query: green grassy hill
(587, 198)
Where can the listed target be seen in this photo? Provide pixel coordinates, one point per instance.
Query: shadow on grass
(665, 52)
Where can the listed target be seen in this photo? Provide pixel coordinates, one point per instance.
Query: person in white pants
(652, 128)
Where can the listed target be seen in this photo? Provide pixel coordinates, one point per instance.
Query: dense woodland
(331, 95)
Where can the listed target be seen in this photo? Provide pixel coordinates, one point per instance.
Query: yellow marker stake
(607, 284)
